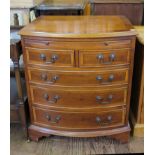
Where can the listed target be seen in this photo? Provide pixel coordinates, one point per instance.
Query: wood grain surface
(73, 78)
(78, 99)
(56, 145)
(79, 27)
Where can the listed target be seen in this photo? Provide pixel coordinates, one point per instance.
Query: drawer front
(78, 78)
(78, 98)
(96, 58)
(85, 120)
(77, 44)
(44, 57)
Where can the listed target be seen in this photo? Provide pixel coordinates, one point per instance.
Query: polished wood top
(79, 27)
(62, 4)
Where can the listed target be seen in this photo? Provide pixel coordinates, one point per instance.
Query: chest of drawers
(79, 74)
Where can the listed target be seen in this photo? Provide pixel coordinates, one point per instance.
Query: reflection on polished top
(79, 27)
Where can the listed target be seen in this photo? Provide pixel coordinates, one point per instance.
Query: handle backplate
(101, 100)
(103, 122)
(100, 78)
(100, 58)
(56, 119)
(53, 79)
(53, 58)
(53, 100)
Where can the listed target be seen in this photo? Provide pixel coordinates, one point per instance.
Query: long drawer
(104, 58)
(59, 97)
(78, 78)
(77, 44)
(79, 120)
(51, 58)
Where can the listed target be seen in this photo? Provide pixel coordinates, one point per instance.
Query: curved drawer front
(98, 58)
(78, 98)
(76, 78)
(78, 120)
(91, 44)
(44, 57)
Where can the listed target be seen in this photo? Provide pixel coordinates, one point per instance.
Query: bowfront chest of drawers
(79, 74)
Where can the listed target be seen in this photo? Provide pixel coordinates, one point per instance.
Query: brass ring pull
(102, 81)
(54, 57)
(53, 100)
(53, 79)
(56, 119)
(100, 58)
(102, 122)
(100, 100)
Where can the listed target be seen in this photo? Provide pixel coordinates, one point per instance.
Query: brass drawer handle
(53, 100)
(100, 100)
(53, 79)
(101, 80)
(100, 58)
(42, 56)
(54, 57)
(104, 122)
(56, 119)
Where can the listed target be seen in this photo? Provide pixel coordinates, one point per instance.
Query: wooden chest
(79, 75)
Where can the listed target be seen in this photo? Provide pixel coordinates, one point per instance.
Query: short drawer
(79, 120)
(44, 57)
(104, 58)
(77, 97)
(78, 78)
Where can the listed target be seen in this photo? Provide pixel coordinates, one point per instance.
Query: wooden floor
(56, 145)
